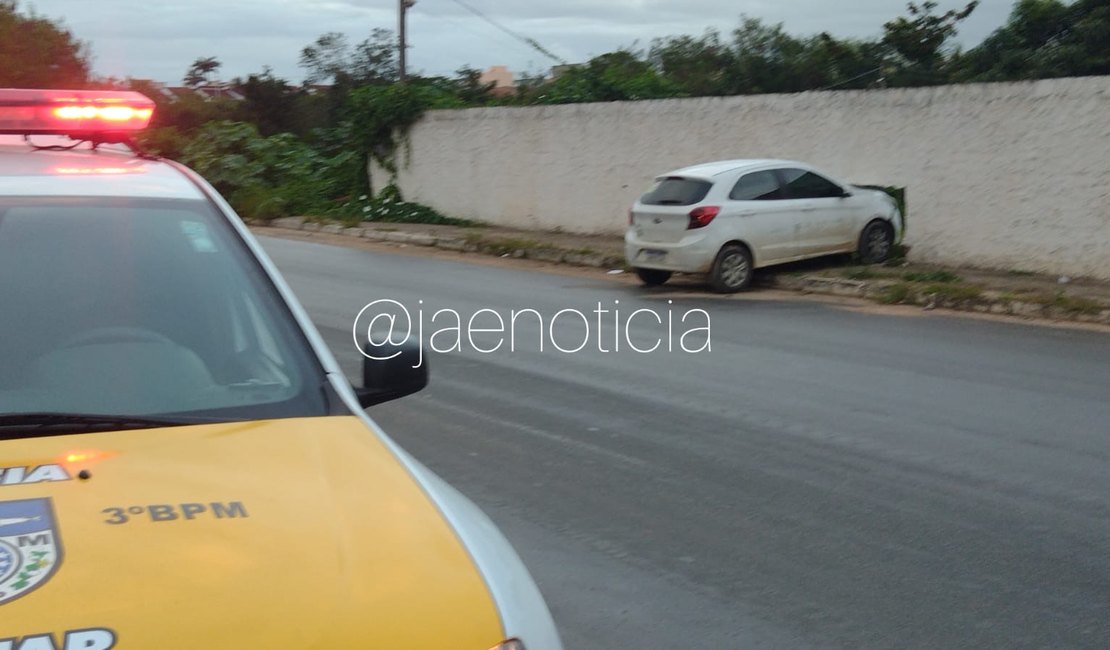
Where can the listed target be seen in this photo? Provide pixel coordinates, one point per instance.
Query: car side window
(757, 186)
(801, 184)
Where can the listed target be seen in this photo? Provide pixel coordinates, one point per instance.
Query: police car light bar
(98, 115)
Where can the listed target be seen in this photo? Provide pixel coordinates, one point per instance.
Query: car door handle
(746, 213)
(808, 208)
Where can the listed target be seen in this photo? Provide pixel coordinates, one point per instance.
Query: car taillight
(700, 217)
(631, 216)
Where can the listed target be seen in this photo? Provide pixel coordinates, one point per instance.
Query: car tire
(653, 277)
(732, 270)
(876, 242)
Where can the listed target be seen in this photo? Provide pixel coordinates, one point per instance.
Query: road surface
(824, 477)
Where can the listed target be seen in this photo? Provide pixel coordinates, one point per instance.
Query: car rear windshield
(675, 190)
(143, 307)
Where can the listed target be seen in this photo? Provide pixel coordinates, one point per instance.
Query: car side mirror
(844, 194)
(391, 371)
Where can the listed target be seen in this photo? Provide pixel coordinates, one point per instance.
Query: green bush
(166, 141)
(264, 178)
(282, 175)
(258, 202)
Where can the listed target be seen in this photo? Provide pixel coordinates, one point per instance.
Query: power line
(848, 81)
(531, 42)
(500, 39)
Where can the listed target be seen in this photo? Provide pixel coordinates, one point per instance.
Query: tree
(199, 72)
(375, 59)
(271, 104)
(331, 58)
(617, 76)
(326, 58)
(699, 66)
(468, 87)
(1043, 38)
(828, 62)
(917, 41)
(764, 59)
(39, 53)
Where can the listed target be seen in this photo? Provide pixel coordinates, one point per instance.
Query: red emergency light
(97, 115)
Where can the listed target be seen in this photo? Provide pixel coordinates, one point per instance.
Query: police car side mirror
(390, 372)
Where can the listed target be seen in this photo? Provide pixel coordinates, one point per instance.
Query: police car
(182, 462)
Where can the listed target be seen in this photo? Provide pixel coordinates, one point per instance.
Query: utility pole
(405, 5)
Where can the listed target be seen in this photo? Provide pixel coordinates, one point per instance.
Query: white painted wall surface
(1011, 176)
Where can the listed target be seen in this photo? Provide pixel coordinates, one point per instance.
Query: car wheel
(876, 242)
(653, 277)
(732, 270)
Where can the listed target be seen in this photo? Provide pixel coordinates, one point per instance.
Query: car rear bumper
(693, 254)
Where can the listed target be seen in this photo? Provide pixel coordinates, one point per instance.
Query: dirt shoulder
(898, 287)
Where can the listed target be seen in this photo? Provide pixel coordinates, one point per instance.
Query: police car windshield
(141, 307)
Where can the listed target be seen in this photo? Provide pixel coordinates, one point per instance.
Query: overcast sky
(159, 39)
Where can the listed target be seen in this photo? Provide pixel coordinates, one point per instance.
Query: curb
(987, 302)
(984, 301)
(490, 246)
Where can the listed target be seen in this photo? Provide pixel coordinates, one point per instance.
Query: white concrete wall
(1012, 176)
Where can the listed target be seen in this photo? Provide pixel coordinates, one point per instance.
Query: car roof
(710, 169)
(107, 171)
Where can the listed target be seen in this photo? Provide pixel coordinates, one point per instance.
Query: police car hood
(304, 533)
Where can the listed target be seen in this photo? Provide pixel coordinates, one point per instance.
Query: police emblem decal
(30, 550)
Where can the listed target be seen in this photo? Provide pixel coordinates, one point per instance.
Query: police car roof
(108, 171)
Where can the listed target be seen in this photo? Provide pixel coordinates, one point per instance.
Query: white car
(728, 218)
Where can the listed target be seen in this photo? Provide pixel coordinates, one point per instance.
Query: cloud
(161, 39)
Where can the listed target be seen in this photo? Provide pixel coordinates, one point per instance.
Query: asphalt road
(824, 477)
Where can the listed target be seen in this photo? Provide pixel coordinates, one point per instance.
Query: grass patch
(954, 292)
(1077, 305)
(861, 273)
(896, 294)
(897, 256)
(931, 276)
(898, 252)
(1070, 304)
(416, 213)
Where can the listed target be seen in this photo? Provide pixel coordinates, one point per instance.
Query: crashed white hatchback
(728, 218)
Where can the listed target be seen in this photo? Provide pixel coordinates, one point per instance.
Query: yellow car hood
(305, 533)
